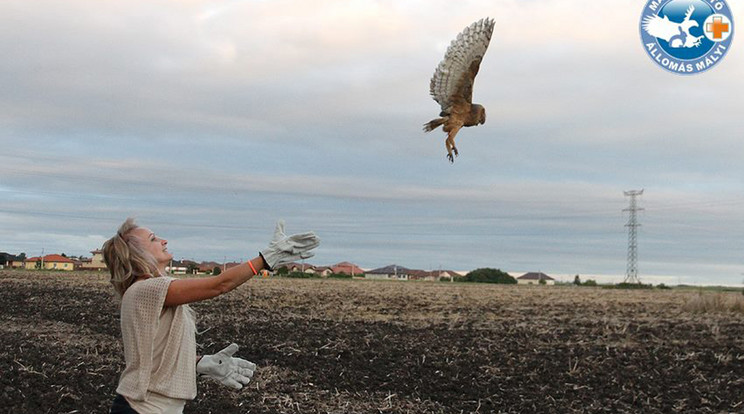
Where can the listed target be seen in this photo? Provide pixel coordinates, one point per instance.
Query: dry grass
(715, 302)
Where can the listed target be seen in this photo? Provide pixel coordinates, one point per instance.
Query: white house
(176, 267)
(534, 278)
(392, 271)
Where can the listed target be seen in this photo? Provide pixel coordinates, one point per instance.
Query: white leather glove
(285, 249)
(222, 367)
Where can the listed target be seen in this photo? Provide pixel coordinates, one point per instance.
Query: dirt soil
(339, 346)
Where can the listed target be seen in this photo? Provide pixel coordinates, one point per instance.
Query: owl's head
(480, 112)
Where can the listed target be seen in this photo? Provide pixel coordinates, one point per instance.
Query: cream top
(159, 343)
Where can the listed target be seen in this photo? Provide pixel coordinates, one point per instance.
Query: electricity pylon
(631, 273)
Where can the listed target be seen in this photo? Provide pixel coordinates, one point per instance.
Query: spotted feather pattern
(453, 79)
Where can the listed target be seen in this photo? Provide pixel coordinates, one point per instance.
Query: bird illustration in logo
(676, 34)
(452, 83)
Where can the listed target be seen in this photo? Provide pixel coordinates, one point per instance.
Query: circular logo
(686, 36)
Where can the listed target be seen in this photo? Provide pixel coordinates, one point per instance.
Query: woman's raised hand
(285, 249)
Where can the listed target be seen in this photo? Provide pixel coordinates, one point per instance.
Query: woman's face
(153, 244)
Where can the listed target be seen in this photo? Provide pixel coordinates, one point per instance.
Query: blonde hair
(126, 259)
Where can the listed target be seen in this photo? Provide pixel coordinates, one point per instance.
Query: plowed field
(335, 346)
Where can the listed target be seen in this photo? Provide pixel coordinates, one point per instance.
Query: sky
(208, 121)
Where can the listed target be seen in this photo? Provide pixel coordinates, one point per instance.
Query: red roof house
(348, 268)
(50, 262)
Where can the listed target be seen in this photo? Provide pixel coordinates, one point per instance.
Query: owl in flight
(452, 83)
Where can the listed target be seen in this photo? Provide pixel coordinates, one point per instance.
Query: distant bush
(216, 271)
(662, 286)
(589, 282)
(339, 276)
(715, 302)
(488, 275)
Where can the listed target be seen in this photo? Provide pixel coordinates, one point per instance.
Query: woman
(158, 327)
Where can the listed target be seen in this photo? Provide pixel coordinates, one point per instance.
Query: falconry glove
(285, 249)
(228, 370)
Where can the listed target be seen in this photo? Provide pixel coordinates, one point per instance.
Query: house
(348, 268)
(300, 268)
(428, 275)
(433, 275)
(94, 263)
(392, 271)
(323, 271)
(50, 262)
(176, 267)
(5, 259)
(192, 268)
(204, 268)
(77, 262)
(18, 263)
(534, 278)
(8, 260)
(451, 274)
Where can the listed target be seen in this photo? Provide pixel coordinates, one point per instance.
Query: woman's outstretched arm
(184, 291)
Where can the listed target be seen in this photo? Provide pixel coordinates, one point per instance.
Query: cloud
(213, 119)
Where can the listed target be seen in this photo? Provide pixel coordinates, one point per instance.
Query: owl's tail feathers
(433, 124)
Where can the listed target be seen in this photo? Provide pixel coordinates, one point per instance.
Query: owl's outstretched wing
(660, 27)
(453, 79)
